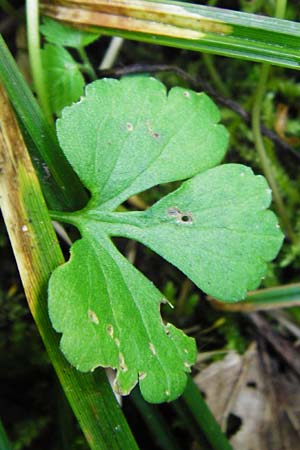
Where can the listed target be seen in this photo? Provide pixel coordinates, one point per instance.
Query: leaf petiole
(64, 217)
(87, 66)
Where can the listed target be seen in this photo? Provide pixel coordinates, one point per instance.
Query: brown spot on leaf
(122, 364)
(93, 317)
(152, 348)
(181, 217)
(110, 330)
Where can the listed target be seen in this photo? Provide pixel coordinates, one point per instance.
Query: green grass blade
(185, 25)
(37, 254)
(60, 185)
(205, 420)
(188, 424)
(266, 299)
(155, 422)
(281, 296)
(4, 442)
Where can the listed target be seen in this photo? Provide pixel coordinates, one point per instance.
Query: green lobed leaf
(111, 318)
(63, 78)
(60, 34)
(215, 228)
(124, 137)
(136, 136)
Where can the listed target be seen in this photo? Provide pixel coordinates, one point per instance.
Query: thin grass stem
(33, 36)
(204, 418)
(259, 143)
(7, 7)
(88, 68)
(111, 53)
(4, 442)
(214, 74)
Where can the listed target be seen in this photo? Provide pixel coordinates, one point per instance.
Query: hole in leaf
(186, 217)
(252, 384)
(233, 425)
(203, 393)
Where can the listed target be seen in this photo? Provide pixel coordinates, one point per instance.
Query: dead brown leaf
(258, 409)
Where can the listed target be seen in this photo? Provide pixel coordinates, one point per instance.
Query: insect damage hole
(186, 218)
(181, 217)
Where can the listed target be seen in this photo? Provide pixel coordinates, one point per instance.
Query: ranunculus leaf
(122, 138)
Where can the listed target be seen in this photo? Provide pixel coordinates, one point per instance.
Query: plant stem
(89, 69)
(182, 297)
(7, 8)
(154, 421)
(280, 9)
(279, 297)
(204, 418)
(259, 143)
(189, 425)
(260, 147)
(213, 73)
(111, 53)
(33, 35)
(4, 442)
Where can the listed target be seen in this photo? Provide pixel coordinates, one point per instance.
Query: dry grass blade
(185, 25)
(37, 253)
